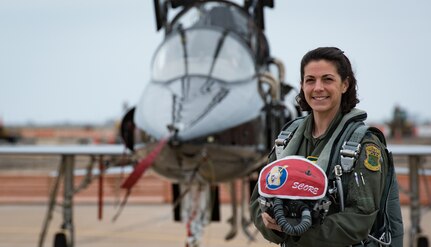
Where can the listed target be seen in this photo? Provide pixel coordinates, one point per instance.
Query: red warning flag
(143, 165)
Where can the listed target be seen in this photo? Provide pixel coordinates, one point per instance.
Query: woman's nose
(318, 85)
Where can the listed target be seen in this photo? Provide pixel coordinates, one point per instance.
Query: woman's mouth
(319, 98)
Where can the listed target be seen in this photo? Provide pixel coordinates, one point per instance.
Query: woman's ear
(345, 84)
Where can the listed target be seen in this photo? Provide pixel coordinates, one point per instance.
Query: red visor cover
(294, 178)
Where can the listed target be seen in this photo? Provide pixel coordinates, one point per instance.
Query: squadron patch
(374, 155)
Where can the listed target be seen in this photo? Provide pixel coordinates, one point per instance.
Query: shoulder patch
(373, 157)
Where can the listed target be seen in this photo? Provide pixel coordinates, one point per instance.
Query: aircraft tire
(60, 240)
(422, 241)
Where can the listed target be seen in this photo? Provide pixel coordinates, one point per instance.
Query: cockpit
(214, 39)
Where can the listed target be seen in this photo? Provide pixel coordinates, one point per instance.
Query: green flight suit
(362, 200)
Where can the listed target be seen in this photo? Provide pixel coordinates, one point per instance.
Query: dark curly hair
(332, 54)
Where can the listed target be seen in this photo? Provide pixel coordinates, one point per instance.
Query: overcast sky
(80, 61)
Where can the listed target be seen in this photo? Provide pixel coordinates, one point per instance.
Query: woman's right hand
(270, 222)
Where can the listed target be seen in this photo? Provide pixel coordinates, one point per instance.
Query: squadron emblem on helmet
(276, 177)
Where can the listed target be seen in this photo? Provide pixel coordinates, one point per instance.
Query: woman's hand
(270, 222)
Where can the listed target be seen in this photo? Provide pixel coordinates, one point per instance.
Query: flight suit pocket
(360, 195)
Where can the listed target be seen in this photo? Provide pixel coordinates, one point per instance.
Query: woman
(328, 92)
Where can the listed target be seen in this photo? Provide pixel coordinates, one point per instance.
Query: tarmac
(138, 225)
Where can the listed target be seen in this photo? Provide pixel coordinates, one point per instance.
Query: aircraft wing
(415, 154)
(398, 149)
(109, 149)
(66, 171)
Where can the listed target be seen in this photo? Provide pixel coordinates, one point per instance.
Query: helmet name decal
(305, 187)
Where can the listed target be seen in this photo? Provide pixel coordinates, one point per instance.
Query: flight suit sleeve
(256, 212)
(362, 201)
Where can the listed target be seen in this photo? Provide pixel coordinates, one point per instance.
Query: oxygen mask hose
(286, 227)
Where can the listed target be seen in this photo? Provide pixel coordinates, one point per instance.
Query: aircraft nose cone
(200, 110)
(203, 81)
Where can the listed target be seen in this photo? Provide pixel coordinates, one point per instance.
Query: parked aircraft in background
(6, 136)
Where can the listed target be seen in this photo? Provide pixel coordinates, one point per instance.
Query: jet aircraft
(214, 104)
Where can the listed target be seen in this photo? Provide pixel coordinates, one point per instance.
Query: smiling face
(323, 87)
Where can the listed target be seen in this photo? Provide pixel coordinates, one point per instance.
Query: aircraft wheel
(422, 241)
(60, 240)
